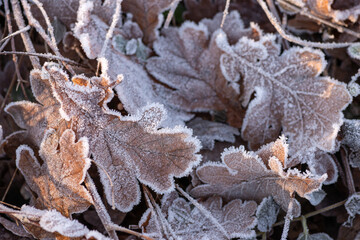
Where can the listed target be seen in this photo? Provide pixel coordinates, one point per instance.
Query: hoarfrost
(242, 173)
(266, 214)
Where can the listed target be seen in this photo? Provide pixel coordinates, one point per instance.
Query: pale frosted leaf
(352, 205)
(315, 236)
(58, 181)
(208, 132)
(147, 13)
(266, 214)
(290, 95)
(323, 163)
(316, 197)
(236, 217)
(242, 174)
(128, 148)
(137, 89)
(53, 221)
(354, 51)
(188, 62)
(351, 138)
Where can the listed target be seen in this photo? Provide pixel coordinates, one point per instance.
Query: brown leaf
(125, 148)
(236, 217)
(247, 176)
(35, 118)
(189, 63)
(58, 181)
(147, 13)
(290, 95)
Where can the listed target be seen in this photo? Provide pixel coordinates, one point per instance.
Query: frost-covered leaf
(315, 236)
(322, 163)
(290, 96)
(266, 214)
(316, 197)
(57, 182)
(127, 148)
(236, 217)
(242, 174)
(35, 118)
(351, 138)
(208, 132)
(354, 51)
(352, 207)
(148, 14)
(137, 89)
(50, 224)
(188, 62)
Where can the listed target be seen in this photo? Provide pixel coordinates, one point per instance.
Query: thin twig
(349, 177)
(15, 33)
(225, 13)
(9, 185)
(170, 15)
(288, 219)
(100, 207)
(115, 19)
(42, 55)
(128, 231)
(24, 35)
(298, 40)
(51, 42)
(314, 213)
(14, 57)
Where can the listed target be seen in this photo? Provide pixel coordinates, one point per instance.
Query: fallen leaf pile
(170, 119)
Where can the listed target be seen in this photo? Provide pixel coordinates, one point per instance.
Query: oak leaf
(290, 96)
(188, 62)
(256, 175)
(137, 89)
(236, 217)
(57, 182)
(124, 148)
(34, 118)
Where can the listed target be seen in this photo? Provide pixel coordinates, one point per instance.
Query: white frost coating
(354, 51)
(131, 47)
(19, 151)
(96, 235)
(53, 221)
(352, 205)
(222, 42)
(316, 197)
(266, 214)
(320, 165)
(198, 27)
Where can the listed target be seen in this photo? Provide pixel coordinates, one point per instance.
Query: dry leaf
(35, 118)
(236, 217)
(57, 182)
(188, 62)
(266, 214)
(350, 132)
(137, 89)
(124, 148)
(254, 176)
(50, 224)
(148, 14)
(208, 132)
(290, 96)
